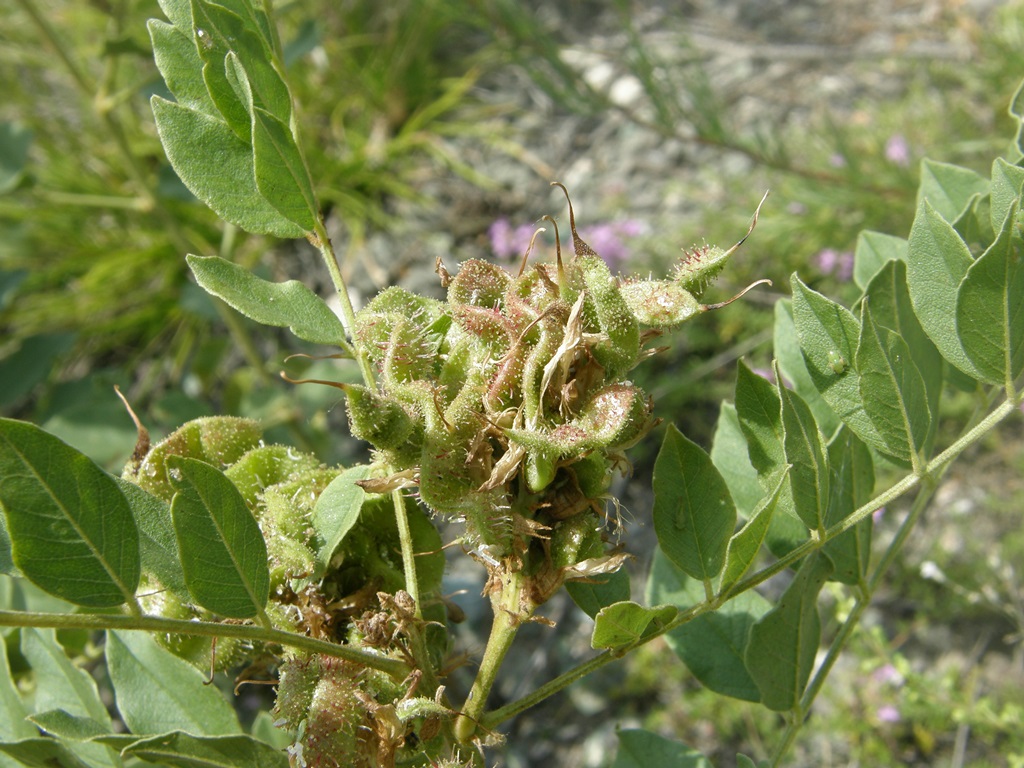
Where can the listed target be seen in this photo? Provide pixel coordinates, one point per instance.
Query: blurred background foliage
(394, 96)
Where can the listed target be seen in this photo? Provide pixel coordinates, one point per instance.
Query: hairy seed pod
(660, 303)
(217, 440)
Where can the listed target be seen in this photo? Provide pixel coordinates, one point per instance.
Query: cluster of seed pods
(509, 403)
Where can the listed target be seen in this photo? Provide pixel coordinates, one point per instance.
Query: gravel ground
(777, 64)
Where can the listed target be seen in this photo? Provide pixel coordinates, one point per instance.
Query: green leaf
(746, 543)
(68, 727)
(828, 335)
(990, 307)
(336, 512)
(281, 174)
(620, 624)
(948, 188)
(791, 362)
(158, 545)
(224, 33)
(218, 168)
(713, 644)
(894, 394)
(598, 592)
(179, 63)
(873, 251)
(694, 514)
(43, 753)
(643, 749)
(760, 415)
(158, 692)
(283, 305)
(15, 140)
(71, 530)
(1007, 181)
(30, 363)
(729, 454)
(806, 453)
(13, 725)
(183, 750)
(892, 308)
(937, 260)
(853, 482)
(223, 555)
(784, 642)
(62, 685)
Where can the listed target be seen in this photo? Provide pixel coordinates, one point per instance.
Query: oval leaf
(746, 543)
(694, 514)
(158, 692)
(623, 623)
(217, 167)
(71, 530)
(336, 512)
(784, 642)
(712, 645)
(643, 749)
(283, 305)
(990, 307)
(937, 260)
(183, 750)
(223, 555)
(828, 335)
(806, 454)
(895, 398)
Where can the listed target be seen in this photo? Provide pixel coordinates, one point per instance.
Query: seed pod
(376, 321)
(576, 539)
(660, 303)
(268, 465)
(614, 318)
(480, 284)
(699, 267)
(616, 416)
(217, 440)
(380, 421)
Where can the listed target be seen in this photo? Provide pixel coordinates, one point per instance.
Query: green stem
(509, 615)
(348, 313)
(393, 667)
(412, 585)
(853, 620)
(935, 466)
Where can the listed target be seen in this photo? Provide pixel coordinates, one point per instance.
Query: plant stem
(931, 470)
(397, 669)
(509, 614)
(853, 620)
(412, 585)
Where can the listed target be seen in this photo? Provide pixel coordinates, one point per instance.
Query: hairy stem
(393, 667)
(509, 614)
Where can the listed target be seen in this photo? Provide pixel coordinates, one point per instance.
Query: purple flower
(897, 151)
(836, 160)
(888, 674)
(508, 242)
(887, 713)
(832, 262)
(608, 240)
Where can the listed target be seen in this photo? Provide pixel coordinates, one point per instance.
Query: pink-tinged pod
(479, 284)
